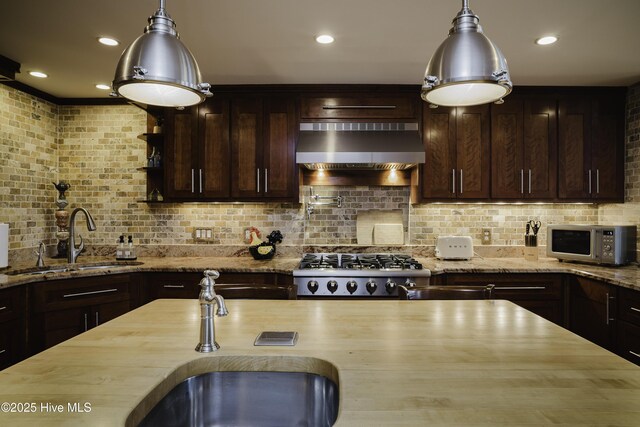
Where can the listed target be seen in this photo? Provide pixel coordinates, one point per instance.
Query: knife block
(531, 247)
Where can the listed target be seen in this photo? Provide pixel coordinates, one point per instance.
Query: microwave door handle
(596, 236)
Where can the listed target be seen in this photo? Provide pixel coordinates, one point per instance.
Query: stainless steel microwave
(599, 244)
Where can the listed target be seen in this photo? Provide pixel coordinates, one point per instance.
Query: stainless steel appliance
(599, 244)
(357, 275)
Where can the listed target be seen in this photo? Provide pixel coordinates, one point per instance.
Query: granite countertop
(627, 276)
(397, 363)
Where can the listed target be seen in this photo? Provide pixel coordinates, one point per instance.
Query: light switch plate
(203, 234)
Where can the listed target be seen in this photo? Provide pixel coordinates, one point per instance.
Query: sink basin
(72, 267)
(248, 399)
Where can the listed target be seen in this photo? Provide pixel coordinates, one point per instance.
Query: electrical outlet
(486, 236)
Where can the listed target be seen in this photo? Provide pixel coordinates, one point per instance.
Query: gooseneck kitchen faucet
(74, 252)
(209, 298)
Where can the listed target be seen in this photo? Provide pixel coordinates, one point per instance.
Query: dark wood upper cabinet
(456, 142)
(232, 148)
(524, 148)
(181, 158)
(263, 133)
(591, 146)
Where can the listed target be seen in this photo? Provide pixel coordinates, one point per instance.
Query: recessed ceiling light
(108, 41)
(324, 39)
(546, 40)
(39, 74)
(103, 87)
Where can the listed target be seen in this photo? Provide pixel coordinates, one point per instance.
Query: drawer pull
(632, 308)
(3, 350)
(82, 294)
(358, 107)
(516, 288)
(609, 318)
(174, 286)
(3, 308)
(634, 353)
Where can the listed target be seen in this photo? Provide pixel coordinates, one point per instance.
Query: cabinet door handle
(97, 319)
(517, 288)
(193, 180)
(589, 181)
(258, 179)
(521, 181)
(200, 172)
(358, 107)
(174, 286)
(86, 322)
(3, 350)
(461, 181)
(3, 308)
(634, 353)
(529, 181)
(635, 309)
(609, 318)
(597, 181)
(453, 181)
(266, 179)
(82, 294)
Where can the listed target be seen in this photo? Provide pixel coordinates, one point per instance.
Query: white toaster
(454, 247)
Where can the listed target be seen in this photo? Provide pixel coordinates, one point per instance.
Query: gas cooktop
(321, 274)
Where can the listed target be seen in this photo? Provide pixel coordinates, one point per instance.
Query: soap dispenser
(120, 249)
(130, 251)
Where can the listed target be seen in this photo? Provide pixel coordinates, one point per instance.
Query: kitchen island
(397, 363)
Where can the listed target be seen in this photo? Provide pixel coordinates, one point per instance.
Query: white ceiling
(272, 41)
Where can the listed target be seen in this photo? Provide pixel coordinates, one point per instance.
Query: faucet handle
(208, 281)
(211, 273)
(81, 245)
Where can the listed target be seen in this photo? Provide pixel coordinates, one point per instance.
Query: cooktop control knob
(371, 287)
(352, 286)
(332, 285)
(409, 283)
(607, 247)
(312, 285)
(390, 286)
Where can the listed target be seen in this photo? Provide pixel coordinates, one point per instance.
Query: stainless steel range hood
(359, 146)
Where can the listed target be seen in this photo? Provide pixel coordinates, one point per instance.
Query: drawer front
(629, 306)
(359, 107)
(72, 293)
(629, 342)
(12, 302)
(519, 287)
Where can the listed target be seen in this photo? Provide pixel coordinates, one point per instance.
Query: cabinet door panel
(246, 156)
(574, 156)
(279, 148)
(507, 170)
(607, 148)
(590, 313)
(181, 153)
(540, 148)
(61, 325)
(629, 342)
(472, 136)
(439, 139)
(102, 313)
(215, 149)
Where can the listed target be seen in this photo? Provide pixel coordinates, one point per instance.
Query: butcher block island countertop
(397, 363)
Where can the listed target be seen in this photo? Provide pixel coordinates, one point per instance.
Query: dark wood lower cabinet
(63, 309)
(592, 310)
(628, 326)
(539, 293)
(12, 326)
(229, 285)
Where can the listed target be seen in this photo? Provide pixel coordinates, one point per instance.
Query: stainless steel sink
(269, 399)
(35, 272)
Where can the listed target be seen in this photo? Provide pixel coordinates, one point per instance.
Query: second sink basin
(248, 399)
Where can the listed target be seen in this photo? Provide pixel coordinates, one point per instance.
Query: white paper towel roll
(4, 245)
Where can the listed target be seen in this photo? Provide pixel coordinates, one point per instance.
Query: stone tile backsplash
(97, 150)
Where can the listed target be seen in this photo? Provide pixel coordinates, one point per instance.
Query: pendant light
(467, 68)
(158, 69)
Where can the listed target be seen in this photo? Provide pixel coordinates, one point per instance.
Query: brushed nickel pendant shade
(158, 69)
(467, 68)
